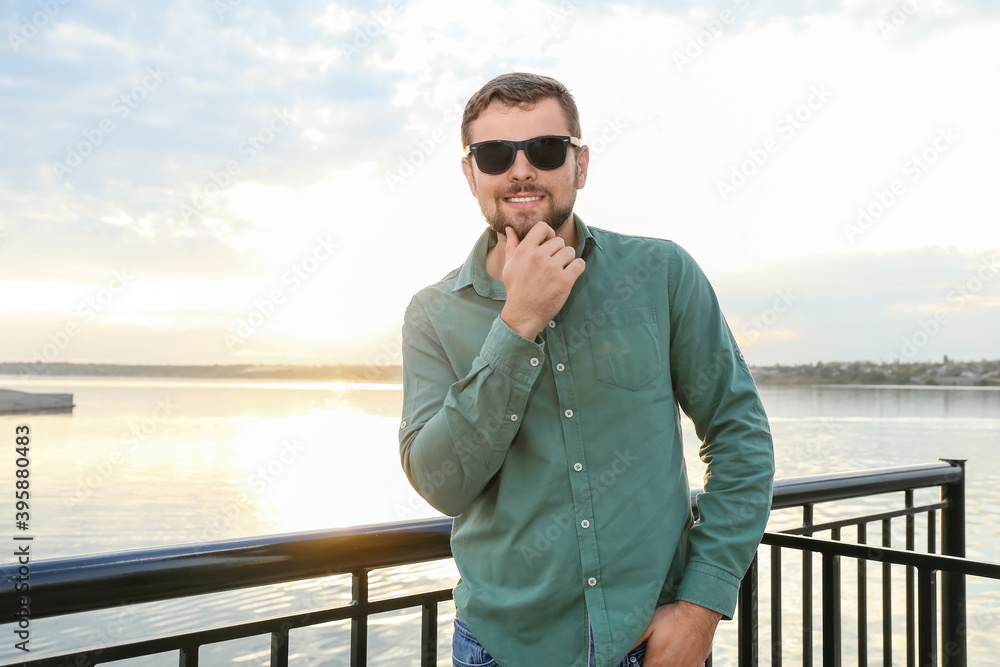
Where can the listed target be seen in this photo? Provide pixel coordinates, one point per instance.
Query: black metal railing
(88, 583)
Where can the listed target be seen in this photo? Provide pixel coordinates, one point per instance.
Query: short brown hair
(519, 89)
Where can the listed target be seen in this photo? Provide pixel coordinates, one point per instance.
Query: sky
(238, 181)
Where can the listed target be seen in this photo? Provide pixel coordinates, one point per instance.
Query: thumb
(512, 240)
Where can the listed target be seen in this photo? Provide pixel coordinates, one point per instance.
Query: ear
(470, 175)
(582, 162)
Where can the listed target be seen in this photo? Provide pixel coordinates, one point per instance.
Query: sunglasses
(496, 157)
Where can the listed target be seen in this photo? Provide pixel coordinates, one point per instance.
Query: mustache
(515, 190)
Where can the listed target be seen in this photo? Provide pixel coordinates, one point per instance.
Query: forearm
(456, 433)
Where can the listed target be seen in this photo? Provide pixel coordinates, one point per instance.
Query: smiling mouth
(521, 200)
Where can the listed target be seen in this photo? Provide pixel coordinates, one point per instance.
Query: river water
(144, 462)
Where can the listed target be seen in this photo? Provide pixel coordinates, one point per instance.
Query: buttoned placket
(579, 477)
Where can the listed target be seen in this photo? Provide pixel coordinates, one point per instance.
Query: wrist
(522, 326)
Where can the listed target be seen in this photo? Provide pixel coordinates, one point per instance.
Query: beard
(555, 213)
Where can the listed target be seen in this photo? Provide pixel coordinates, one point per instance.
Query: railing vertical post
(777, 640)
(953, 619)
(429, 635)
(927, 622)
(831, 609)
(887, 596)
(279, 648)
(188, 656)
(807, 596)
(747, 628)
(911, 588)
(359, 622)
(862, 600)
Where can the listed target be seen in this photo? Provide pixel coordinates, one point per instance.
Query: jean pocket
(466, 650)
(636, 656)
(626, 348)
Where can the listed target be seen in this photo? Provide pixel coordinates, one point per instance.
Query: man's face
(525, 194)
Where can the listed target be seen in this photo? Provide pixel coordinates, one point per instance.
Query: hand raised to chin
(538, 273)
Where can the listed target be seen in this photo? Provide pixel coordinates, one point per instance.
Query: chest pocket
(626, 348)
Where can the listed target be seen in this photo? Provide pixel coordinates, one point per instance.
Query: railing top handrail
(841, 486)
(97, 581)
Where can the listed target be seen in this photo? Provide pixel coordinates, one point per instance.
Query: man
(541, 384)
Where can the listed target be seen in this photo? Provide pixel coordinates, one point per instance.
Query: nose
(522, 169)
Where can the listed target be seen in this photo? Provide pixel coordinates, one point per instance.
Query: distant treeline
(342, 372)
(946, 372)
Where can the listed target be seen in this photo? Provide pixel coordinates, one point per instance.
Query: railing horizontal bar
(166, 643)
(857, 520)
(86, 583)
(841, 486)
(883, 555)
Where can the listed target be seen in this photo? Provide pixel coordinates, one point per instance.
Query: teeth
(518, 200)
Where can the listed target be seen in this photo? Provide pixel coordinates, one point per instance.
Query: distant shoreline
(342, 372)
(945, 373)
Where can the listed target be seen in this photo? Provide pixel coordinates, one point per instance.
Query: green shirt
(561, 460)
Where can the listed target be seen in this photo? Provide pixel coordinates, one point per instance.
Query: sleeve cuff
(512, 354)
(711, 587)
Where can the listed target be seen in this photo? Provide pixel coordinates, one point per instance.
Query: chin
(521, 224)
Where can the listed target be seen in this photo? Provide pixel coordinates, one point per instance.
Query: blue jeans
(467, 652)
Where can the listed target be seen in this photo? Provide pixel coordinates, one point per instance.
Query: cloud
(866, 306)
(187, 180)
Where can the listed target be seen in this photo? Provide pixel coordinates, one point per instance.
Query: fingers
(564, 255)
(512, 241)
(576, 267)
(538, 234)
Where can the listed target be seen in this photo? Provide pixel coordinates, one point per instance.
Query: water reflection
(150, 462)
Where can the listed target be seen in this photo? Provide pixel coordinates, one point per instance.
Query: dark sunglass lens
(494, 157)
(546, 152)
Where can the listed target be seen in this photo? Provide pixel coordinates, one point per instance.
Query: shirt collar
(473, 273)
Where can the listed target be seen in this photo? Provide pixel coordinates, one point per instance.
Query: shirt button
(513, 418)
(632, 659)
(403, 425)
(578, 467)
(569, 414)
(592, 581)
(585, 523)
(560, 367)
(552, 324)
(534, 361)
